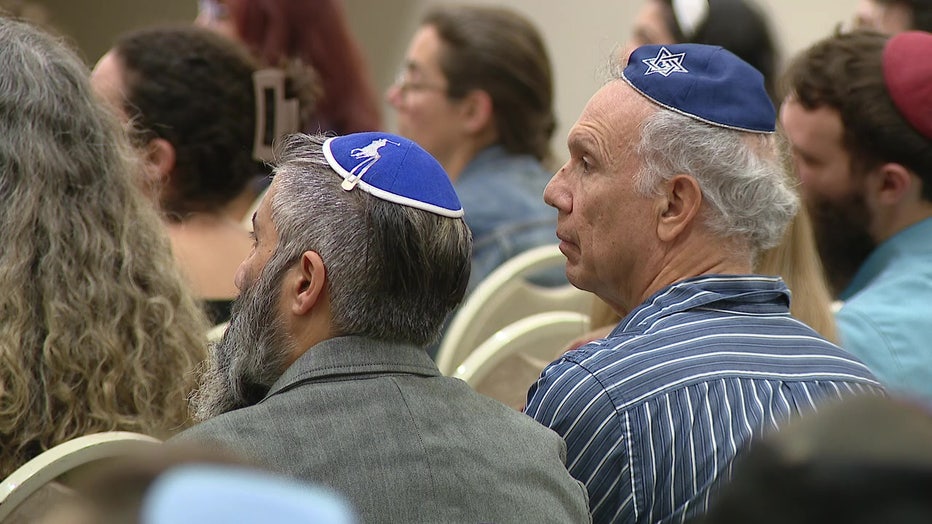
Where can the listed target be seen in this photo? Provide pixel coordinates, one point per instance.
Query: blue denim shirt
(502, 195)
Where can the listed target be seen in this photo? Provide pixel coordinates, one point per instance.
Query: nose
(239, 279)
(556, 194)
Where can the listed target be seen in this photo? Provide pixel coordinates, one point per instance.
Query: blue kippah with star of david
(704, 82)
(395, 169)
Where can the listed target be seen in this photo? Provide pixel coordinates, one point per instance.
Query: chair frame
(508, 341)
(63, 458)
(491, 306)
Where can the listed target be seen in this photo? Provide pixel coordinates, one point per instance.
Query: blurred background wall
(580, 34)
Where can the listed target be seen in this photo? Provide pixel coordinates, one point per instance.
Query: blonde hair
(98, 331)
(796, 260)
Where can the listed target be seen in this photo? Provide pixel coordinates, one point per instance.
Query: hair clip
(276, 115)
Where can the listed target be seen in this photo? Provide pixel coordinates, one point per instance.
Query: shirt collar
(353, 355)
(490, 156)
(756, 293)
(916, 236)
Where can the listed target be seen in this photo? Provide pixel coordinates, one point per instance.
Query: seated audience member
(740, 27)
(190, 95)
(97, 330)
(676, 162)
(859, 118)
(314, 35)
(361, 252)
(737, 25)
(894, 16)
(476, 92)
(863, 461)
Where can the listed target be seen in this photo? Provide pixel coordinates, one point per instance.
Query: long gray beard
(250, 357)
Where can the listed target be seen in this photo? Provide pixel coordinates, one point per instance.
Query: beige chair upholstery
(216, 332)
(506, 296)
(64, 458)
(506, 364)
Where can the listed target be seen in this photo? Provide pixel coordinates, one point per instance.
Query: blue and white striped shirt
(654, 415)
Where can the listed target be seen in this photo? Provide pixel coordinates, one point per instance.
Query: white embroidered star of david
(665, 63)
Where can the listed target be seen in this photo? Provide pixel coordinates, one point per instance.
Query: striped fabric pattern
(655, 414)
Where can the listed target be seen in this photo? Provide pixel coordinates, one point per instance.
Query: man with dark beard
(360, 252)
(859, 119)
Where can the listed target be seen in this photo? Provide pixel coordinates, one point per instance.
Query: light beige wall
(94, 24)
(580, 34)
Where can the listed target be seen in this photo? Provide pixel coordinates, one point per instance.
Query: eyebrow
(579, 141)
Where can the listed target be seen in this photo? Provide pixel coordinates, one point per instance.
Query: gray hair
(742, 175)
(394, 272)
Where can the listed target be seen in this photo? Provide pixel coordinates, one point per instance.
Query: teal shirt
(886, 320)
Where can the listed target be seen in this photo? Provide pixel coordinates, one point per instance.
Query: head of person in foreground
(358, 235)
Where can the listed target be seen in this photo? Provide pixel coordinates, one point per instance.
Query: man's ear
(307, 283)
(160, 159)
(477, 111)
(680, 200)
(891, 182)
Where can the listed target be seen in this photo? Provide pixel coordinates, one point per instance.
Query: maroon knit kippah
(907, 72)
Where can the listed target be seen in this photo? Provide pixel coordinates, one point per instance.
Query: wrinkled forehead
(610, 124)
(615, 111)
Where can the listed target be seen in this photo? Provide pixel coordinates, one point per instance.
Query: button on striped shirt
(654, 415)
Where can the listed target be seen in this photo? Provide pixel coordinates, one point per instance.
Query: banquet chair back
(504, 366)
(65, 458)
(506, 296)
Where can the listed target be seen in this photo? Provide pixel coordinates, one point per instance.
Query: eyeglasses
(405, 85)
(212, 10)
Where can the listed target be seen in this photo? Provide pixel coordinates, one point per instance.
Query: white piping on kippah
(689, 15)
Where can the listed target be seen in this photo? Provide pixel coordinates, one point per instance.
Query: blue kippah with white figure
(708, 83)
(395, 169)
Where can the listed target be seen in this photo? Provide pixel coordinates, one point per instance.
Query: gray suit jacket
(378, 424)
